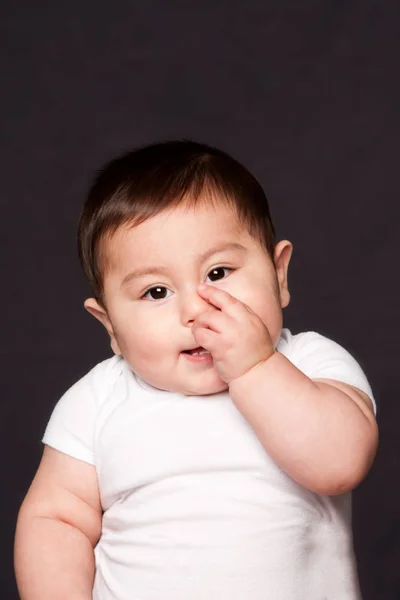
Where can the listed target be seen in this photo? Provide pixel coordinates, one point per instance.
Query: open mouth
(199, 351)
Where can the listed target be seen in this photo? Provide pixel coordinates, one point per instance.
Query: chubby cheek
(142, 341)
(273, 321)
(271, 315)
(266, 305)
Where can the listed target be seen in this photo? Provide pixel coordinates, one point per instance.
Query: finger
(205, 338)
(220, 299)
(213, 319)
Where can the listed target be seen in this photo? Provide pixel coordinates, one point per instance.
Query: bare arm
(59, 524)
(322, 433)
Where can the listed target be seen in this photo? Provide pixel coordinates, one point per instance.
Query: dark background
(306, 94)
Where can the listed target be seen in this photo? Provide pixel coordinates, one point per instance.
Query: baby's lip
(193, 348)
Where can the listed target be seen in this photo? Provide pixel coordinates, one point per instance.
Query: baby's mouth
(196, 351)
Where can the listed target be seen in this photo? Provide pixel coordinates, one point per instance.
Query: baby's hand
(235, 336)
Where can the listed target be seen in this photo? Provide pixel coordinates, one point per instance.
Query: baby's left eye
(157, 292)
(218, 273)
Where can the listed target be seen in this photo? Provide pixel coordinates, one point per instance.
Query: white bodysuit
(194, 507)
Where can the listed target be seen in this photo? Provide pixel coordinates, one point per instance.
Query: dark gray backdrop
(306, 94)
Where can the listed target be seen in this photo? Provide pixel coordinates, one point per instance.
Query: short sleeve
(71, 427)
(320, 357)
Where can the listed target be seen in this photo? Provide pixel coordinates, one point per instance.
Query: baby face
(150, 290)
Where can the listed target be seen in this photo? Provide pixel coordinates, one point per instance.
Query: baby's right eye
(158, 292)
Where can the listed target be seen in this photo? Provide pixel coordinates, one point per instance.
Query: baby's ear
(95, 309)
(283, 253)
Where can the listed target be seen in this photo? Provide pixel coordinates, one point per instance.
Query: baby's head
(158, 222)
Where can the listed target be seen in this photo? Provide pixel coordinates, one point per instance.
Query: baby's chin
(206, 390)
(201, 383)
(201, 387)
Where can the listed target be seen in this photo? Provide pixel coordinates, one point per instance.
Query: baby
(212, 457)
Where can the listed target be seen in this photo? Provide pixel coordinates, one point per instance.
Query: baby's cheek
(260, 302)
(146, 342)
(268, 309)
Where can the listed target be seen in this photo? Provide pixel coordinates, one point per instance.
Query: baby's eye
(218, 273)
(158, 292)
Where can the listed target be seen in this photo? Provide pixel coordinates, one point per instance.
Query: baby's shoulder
(312, 352)
(305, 342)
(320, 357)
(103, 376)
(96, 385)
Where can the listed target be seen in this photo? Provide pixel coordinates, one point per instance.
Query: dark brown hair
(142, 183)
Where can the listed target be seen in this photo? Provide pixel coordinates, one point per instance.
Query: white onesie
(194, 507)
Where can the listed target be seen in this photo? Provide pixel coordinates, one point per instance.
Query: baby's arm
(323, 433)
(59, 524)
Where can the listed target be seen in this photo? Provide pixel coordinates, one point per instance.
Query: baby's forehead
(173, 232)
(179, 221)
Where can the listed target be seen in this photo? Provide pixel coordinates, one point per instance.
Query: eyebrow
(136, 273)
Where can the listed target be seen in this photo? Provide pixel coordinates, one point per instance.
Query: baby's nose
(192, 305)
